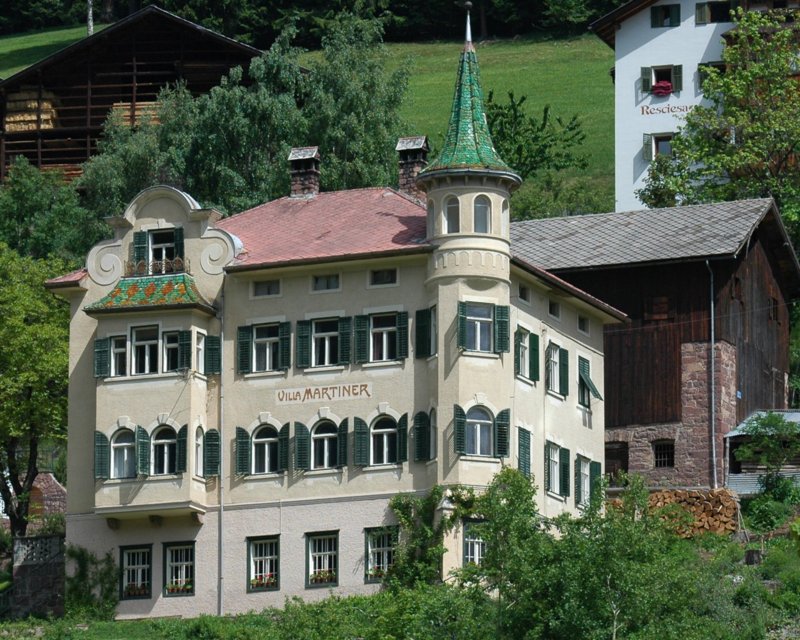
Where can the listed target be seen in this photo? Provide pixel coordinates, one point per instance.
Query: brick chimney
(413, 154)
(304, 171)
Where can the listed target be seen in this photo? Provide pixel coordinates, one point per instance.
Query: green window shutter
(677, 77)
(563, 372)
(402, 335)
(242, 452)
(655, 13)
(345, 331)
(360, 443)
(583, 372)
(283, 448)
(142, 452)
(185, 350)
(462, 325)
(303, 344)
(595, 470)
(519, 336)
(140, 247)
(244, 349)
(402, 438)
(548, 481)
(102, 461)
(213, 355)
(459, 427)
(675, 15)
(502, 331)
(647, 79)
(102, 357)
(578, 492)
(647, 146)
(341, 443)
(179, 250)
(563, 469)
(524, 452)
(422, 436)
(284, 345)
(422, 329)
(361, 334)
(212, 455)
(180, 457)
(502, 426)
(302, 447)
(702, 14)
(533, 357)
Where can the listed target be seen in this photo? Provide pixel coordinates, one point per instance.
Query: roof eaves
(200, 306)
(238, 268)
(605, 26)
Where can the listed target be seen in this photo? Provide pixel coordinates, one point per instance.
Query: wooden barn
(687, 277)
(53, 112)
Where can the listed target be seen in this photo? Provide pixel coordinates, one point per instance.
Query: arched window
(165, 448)
(479, 432)
(265, 450)
(123, 447)
(482, 215)
(433, 435)
(452, 216)
(324, 445)
(198, 451)
(384, 441)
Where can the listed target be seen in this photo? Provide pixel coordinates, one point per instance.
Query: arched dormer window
(165, 451)
(482, 215)
(324, 445)
(123, 447)
(452, 216)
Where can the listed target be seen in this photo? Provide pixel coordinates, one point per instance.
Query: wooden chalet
(53, 112)
(686, 276)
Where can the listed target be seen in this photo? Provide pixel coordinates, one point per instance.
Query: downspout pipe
(712, 377)
(221, 492)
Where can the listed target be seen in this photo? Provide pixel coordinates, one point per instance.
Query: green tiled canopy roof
(468, 144)
(175, 290)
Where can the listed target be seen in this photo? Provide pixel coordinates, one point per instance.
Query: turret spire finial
(468, 38)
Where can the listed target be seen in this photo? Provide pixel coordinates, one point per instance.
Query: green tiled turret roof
(147, 292)
(468, 144)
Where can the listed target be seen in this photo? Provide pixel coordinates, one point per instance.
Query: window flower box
(323, 577)
(136, 590)
(176, 588)
(661, 88)
(377, 573)
(267, 581)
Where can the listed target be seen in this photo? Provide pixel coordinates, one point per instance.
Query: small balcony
(156, 267)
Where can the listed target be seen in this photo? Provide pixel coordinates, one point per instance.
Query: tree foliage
(772, 442)
(745, 143)
(33, 375)
(229, 148)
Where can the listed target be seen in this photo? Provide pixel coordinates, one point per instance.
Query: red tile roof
(330, 225)
(67, 280)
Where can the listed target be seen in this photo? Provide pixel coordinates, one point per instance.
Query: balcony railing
(156, 267)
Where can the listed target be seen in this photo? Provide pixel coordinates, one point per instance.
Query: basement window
(664, 454)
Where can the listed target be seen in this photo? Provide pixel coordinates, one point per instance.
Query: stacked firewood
(713, 511)
(27, 110)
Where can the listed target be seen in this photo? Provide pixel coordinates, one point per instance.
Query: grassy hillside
(570, 74)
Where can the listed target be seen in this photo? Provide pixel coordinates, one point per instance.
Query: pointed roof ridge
(468, 143)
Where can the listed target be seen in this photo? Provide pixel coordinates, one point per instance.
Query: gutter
(712, 376)
(222, 457)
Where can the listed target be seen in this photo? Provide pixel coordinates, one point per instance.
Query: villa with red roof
(247, 394)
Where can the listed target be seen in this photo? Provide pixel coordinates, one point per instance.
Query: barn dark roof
(650, 236)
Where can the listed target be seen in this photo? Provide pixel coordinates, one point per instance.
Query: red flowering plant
(661, 88)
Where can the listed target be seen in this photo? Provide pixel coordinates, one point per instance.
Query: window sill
(491, 355)
(265, 374)
(332, 368)
(265, 475)
(262, 589)
(556, 496)
(120, 480)
(178, 595)
(556, 395)
(584, 409)
(143, 376)
(474, 457)
(391, 466)
(525, 380)
(324, 585)
(328, 471)
(382, 364)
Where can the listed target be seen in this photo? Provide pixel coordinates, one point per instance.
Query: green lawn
(570, 74)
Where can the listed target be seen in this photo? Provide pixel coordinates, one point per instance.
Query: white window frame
(200, 352)
(474, 545)
(383, 436)
(118, 346)
(524, 353)
(137, 571)
(451, 215)
(383, 339)
(266, 345)
(263, 439)
(123, 455)
(321, 341)
(321, 282)
(583, 476)
(164, 452)
(170, 341)
(322, 553)
(161, 252)
(478, 323)
(199, 436)
(554, 309)
(324, 445)
(586, 330)
(179, 567)
(475, 427)
(553, 461)
(264, 569)
(484, 216)
(381, 544)
(150, 351)
(553, 365)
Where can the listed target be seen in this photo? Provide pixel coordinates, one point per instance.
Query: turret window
(452, 216)
(482, 219)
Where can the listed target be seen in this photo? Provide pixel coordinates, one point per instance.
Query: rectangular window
(524, 353)
(557, 369)
(583, 324)
(382, 277)
(326, 282)
(325, 342)
(157, 252)
(145, 350)
(162, 251)
(265, 288)
(200, 352)
(474, 546)
(664, 454)
(379, 558)
(263, 565)
(119, 356)
(433, 340)
(556, 469)
(266, 347)
(383, 337)
(479, 327)
(772, 312)
(553, 470)
(524, 293)
(665, 15)
(714, 12)
(179, 569)
(662, 80)
(170, 341)
(583, 491)
(554, 309)
(136, 564)
(586, 386)
(322, 556)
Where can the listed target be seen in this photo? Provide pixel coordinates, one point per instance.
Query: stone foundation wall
(692, 436)
(38, 577)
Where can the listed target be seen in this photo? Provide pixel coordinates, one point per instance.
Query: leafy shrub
(92, 590)
(762, 513)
